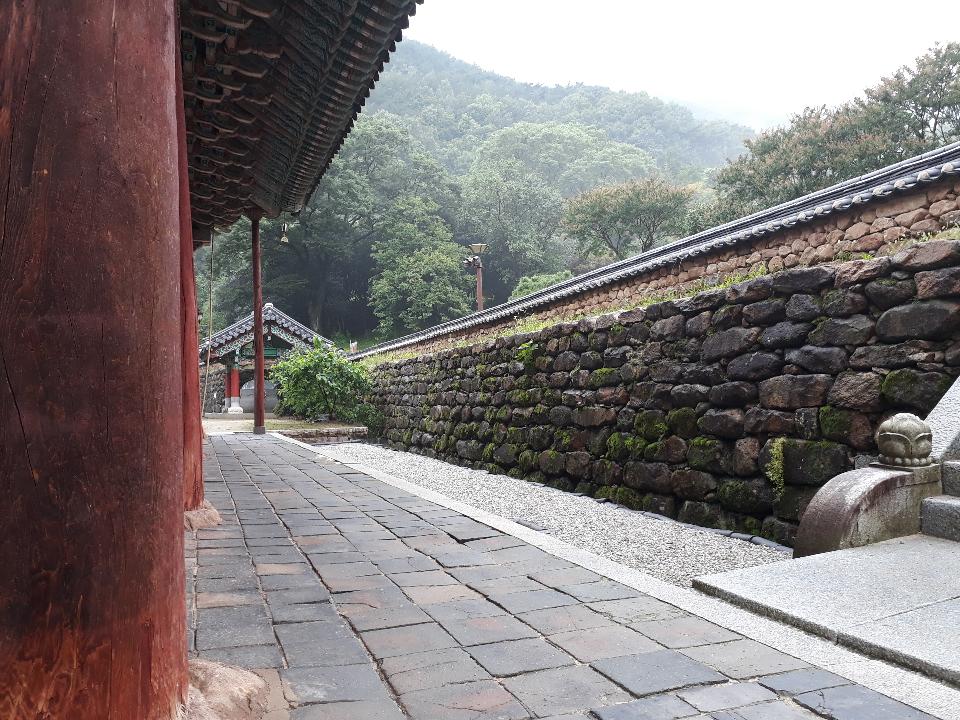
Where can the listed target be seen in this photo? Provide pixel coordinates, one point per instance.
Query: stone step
(940, 517)
(951, 477)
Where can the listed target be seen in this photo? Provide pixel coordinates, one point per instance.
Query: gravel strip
(669, 551)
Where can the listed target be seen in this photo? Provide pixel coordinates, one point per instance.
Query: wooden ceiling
(271, 88)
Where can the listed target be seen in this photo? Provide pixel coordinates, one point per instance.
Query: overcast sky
(751, 62)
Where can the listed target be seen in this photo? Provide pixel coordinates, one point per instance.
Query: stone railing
(727, 409)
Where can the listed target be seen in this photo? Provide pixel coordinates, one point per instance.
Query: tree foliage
(628, 218)
(914, 110)
(320, 381)
(531, 283)
(419, 279)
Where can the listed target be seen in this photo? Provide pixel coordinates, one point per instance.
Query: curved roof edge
(877, 185)
(271, 317)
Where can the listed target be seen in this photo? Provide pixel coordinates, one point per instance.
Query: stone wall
(876, 228)
(216, 388)
(728, 409)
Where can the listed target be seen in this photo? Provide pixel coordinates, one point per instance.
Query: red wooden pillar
(91, 457)
(233, 397)
(192, 428)
(258, 415)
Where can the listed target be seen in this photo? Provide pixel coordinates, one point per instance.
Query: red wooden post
(258, 419)
(91, 457)
(192, 428)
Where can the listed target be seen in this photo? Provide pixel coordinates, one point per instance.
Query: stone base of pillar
(235, 408)
(205, 516)
(222, 692)
(259, 430)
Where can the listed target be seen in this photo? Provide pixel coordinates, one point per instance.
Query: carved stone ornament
(904, 440)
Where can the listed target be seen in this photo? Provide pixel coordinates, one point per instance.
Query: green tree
(517, 214)
(531, 283)
(627, 218)
(570, 157)
(419, 278)
(914, 110)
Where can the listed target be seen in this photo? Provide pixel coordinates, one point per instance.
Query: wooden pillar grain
(91, 386)
(259, 425)
(192, 428)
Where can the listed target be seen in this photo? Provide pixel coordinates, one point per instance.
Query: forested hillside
(452, 107)
(554, 180)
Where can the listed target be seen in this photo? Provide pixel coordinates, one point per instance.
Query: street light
(476, 264)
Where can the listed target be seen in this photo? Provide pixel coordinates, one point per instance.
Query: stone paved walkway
(360, 601)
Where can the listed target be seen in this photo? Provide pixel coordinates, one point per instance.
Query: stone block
(733, 394)
(751, 497)
(692, 484)
(764, 312)
(771, 422)
(829, 360)
(925, 319)
(803, 280)
(861, 271)
(856, 390)
(807, 462)
(855, 702)
(553, 692)
(887, 292)
(855, 330)
(647, 476)
(728, 343)
(920, 391)
(785, 334)
(804, 307)
(788, 392)
(726, 423)
(708, 454)
(845, 426)
(938, 283)
(929, 255)
(755, 366)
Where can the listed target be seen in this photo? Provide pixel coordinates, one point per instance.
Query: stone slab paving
(898, 600)
(368, 602)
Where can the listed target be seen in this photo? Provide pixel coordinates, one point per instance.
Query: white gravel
(672, 552)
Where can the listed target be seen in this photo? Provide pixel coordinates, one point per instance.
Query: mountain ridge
(451, 105)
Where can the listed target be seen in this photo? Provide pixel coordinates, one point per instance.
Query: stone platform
(364, 601)
(898, 600)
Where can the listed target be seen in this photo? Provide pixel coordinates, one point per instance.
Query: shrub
(321, 381)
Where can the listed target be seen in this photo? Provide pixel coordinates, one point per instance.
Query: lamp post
(476, 264)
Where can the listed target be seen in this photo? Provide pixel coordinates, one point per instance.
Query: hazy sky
(752, 62)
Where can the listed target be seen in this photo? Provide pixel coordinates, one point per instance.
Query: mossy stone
(683, 422)
(709, 454)
(651, 425)
(745, 496)
(913, 389)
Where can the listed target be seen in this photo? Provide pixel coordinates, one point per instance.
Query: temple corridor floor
(366, 602)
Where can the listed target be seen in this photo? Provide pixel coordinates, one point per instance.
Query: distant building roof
(275, 322)
(878, 185)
